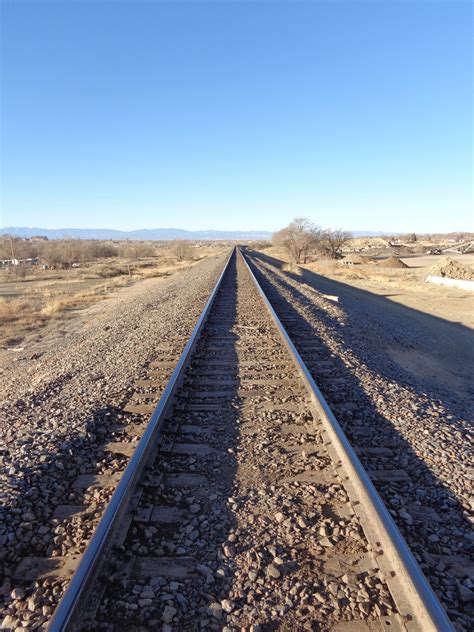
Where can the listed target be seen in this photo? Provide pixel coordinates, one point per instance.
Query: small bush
(182, 250)
(13, 309)
(260, 245)
(106, 271)
(291, 268)
(52, 308)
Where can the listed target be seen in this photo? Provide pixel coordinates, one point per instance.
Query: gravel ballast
(397, 420)
(59, 405)
(265, 537)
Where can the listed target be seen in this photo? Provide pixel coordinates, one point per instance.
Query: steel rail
(414, 597)
(73, 599)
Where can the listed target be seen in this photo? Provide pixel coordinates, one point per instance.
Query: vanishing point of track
(243, 506)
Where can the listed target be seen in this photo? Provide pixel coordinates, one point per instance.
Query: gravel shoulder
(105, 322)
(405, 287)
(379, 397)
(434, 340)
(434, 324)
(61, 395)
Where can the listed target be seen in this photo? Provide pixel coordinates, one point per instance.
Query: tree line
(302, 238)
(62, 253)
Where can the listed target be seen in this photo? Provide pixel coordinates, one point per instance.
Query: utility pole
(11, 246)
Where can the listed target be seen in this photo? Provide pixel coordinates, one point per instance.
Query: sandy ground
(426, 261)
(82, 319)
(445, 314)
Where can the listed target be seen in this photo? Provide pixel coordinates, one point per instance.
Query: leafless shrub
(62, 253)
(260, 245)
(291, 268)
(332, 242)
(21, 271)
(107, 271)
(90, 250)
(136, 250)
(299, 239)
(182, 250)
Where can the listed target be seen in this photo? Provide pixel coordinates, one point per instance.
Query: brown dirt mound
(452, 269)
(392, 262)
(355, 259)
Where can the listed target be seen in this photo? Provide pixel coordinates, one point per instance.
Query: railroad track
(243, 506)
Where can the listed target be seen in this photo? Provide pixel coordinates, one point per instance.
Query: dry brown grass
(17, 317)
(31, 301)
(291, 268)
(11, 310)
(54, 307)
(108, 271)
(20, 316)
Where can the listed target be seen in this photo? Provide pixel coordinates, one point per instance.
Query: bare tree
(299, 238)
(57, 253)
(16, 248)
(182, 250)
(145, 249)
(136, 250)
(333, 241)
(7, 250)
(92, 249)
(260, 245)
(62, 253)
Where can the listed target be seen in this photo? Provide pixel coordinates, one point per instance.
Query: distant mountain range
(152, 233)
(142, 234)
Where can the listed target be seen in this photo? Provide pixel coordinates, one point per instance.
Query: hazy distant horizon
(170, 233)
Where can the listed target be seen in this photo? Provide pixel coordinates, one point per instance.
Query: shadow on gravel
(440, 341)
(429, 515)
(38, 524)
(34, 486)
(182, 557)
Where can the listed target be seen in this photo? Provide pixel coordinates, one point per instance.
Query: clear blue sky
(237, 115)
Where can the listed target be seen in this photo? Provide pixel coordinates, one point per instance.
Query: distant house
(7, 263)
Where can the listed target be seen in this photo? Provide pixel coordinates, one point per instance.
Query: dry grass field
(31, 298)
